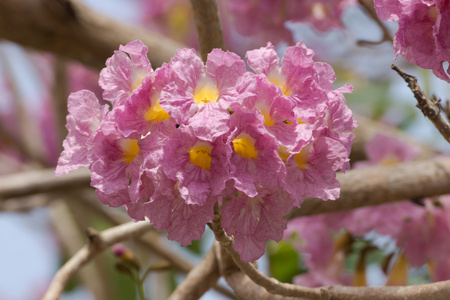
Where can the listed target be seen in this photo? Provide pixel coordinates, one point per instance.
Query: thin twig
(272, 285)
(428, 106)
(98, 243)
(370, 9)
(436, 291)
(152, 240)
(207, 23)
(243, 286)
(72, 238)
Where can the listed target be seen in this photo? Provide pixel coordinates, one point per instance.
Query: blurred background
(39, 233)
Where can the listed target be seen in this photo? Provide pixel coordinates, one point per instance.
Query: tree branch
(360, 187)
(383, 184)
(435, 291)
(97, 243)
(69, 29)
(199, 280)
(429, 107)
(370, 9)
(41, 181)
(207, 23)
(243, 286)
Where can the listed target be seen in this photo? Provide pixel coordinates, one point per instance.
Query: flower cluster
(418, 230)
(423, 31)
(178, 139)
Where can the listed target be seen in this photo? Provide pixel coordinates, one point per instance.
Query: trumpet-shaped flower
(124, 72)
(299, 78)
(142, 112)
(427, 20)
(254, 160)
(196, 85)
(254, 221)
(116, 164)
(168, 210)
(199, 166)
(311, 170)
(85, 115)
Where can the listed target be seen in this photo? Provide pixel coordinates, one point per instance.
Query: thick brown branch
(98, 243)
(199, 280)
(429, 107)
(383, 184)
(208, 26)
(41, 181)
(439, 290)
(69, 29)
(360, 187)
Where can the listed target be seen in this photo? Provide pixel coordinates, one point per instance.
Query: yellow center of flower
(199, 155)
(130, 149)
(156, 113)
(301, 159)
(279, 80)
(284, 153)
(244, 145)
(268, 121)
(136, 79)
(206, 91)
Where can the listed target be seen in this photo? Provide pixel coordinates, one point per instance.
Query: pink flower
(124, 72)
(323, 15)
(311, 169)
(424, 237)
(422, 37)
(254, 160)
(254, 221)
(116, 166)
(264, 18)
(142, 112)
(196, 85)
(258, 94)
(267, 18)
(85, 114)
(338, 121)
(386, 150)
(299, 78)
(167, 210)
(199, 166)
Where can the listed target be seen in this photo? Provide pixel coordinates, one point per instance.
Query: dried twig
(429, 106)
(98, 242)
(208, 26)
